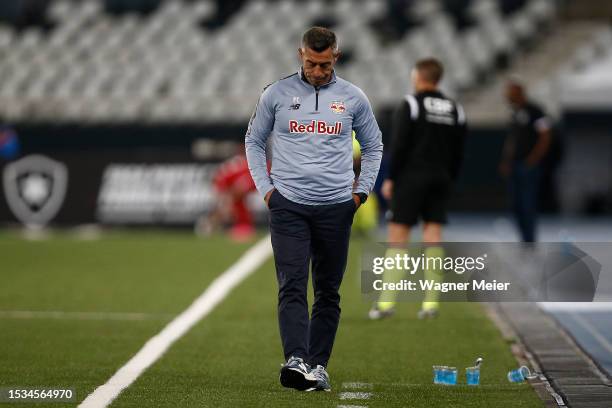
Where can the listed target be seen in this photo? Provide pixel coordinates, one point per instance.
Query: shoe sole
(381, 315)
(318, 389)
(293, 378)
(427, 315)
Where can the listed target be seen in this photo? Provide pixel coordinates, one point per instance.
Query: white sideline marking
(357, 385)
(355, 395)
(46, 314)
(156, 346)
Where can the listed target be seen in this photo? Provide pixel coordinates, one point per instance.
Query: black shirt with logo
(525, 125)
(429, 132)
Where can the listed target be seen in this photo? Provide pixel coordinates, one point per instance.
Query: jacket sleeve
(400, 139)
(369, 137)
(541, 122)
(260, 127)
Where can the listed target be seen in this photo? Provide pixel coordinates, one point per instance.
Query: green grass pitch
(232, 357)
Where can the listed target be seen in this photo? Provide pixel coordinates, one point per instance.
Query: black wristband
(363, 197)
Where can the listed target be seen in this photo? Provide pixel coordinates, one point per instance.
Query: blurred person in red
(232, 183)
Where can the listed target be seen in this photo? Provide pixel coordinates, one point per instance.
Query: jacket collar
(435, 92)
(303, 78)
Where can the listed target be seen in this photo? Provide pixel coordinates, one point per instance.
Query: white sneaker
(376, 314)
(295, 373)
(322, 379)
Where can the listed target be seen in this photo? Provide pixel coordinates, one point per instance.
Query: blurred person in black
(527, 144)
(428, 137)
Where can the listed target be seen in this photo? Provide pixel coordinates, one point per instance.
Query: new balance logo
(295, 103)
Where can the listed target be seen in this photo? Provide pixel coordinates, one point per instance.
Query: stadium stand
(202, 62)
(551, 69)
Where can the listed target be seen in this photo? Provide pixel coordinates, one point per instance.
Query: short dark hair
(319, 39)
(431, 69)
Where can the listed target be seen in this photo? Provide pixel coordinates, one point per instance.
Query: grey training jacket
(310, 132)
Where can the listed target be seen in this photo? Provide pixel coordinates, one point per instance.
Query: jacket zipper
(317, 99)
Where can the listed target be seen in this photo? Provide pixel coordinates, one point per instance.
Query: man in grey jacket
(312, 194)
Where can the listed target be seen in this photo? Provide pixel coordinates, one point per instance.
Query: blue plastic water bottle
(451, 376)
(439, 372)
(519, 375)
(472, 375)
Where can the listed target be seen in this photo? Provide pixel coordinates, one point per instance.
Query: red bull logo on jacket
(315, 126)
(337, 107)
